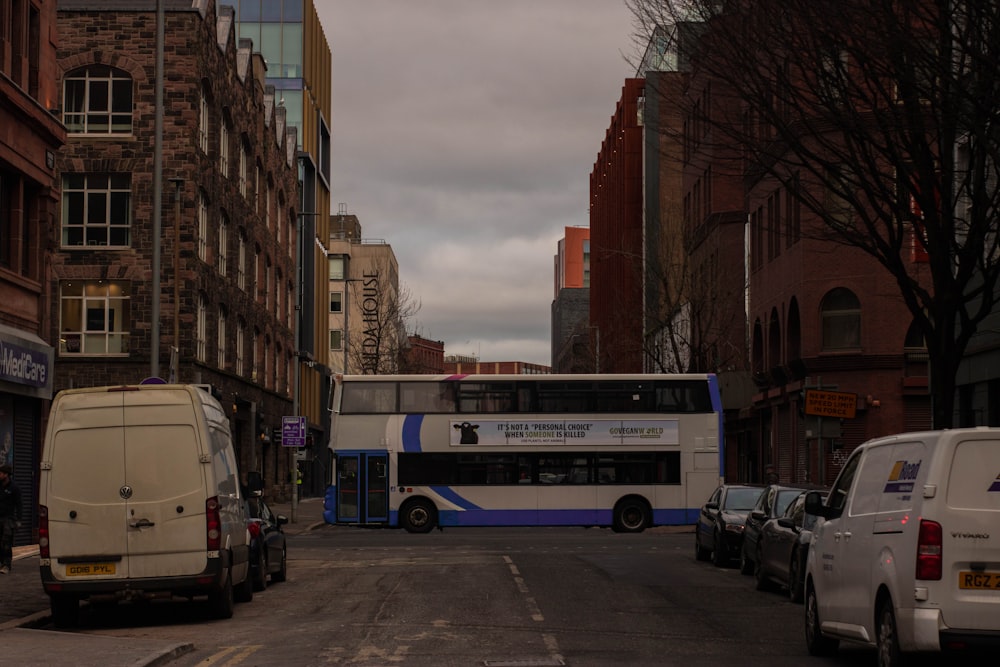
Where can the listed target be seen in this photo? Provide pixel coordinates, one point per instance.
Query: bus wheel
(631, 515)
(418, 516)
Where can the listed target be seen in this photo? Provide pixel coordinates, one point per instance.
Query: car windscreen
(741, 499)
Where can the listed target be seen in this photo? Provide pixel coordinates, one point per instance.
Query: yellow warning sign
(837, 404)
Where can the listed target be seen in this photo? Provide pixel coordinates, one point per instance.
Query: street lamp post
(297, 372)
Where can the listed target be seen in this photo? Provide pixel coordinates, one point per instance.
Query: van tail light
(43, 531)
(213, 524)
(929, 551)
(254, 529)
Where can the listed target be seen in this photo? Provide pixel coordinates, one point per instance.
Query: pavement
(24, 607)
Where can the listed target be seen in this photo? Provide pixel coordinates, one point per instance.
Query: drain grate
(547, 661)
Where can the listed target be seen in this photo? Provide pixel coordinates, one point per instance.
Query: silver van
(139, 497)
(906, 554)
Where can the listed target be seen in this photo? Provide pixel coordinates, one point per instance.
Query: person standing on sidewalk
(10, 517)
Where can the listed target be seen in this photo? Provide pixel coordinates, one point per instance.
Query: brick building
(30, 137)
(227, 216)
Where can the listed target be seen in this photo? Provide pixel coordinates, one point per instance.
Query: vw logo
(125, 492)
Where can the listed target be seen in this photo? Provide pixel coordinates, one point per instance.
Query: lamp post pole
(297, 371)
(175, 371)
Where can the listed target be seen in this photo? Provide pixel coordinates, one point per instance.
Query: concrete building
(229, 208)
(367, 311)
(30, 138)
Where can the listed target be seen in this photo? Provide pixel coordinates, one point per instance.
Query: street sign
(293, 431)
(836, 404)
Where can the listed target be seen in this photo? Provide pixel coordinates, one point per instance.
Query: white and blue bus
(627, 451)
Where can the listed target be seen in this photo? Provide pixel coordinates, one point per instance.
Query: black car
(268, 551)
(771, 504)
(784, 546)
(719, 532)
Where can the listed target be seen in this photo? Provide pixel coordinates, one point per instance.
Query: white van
(139, 497)
(906, 556)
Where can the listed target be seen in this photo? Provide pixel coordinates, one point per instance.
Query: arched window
(841, 312)
(97, 99)
(774, 340)
(793, 335)
(758, 347)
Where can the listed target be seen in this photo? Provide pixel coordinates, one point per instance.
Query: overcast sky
(464, 134)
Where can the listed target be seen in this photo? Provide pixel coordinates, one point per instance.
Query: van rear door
(85, 461)
(971, 535)
(165, 476)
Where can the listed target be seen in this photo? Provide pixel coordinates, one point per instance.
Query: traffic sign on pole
(293, 431)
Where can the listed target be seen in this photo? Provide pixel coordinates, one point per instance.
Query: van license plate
(979, 581)
(89, 569)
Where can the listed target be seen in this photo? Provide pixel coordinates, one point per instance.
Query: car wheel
(746, 565)
(760, 577)
(700, 552)
(887, 640)
(630, 516)
(220, 601)
(282, 573)
(244, 591)
(419, 516)
(795, 579)
(65, 611)
(260, 575)
(718, 551)
(817, 644)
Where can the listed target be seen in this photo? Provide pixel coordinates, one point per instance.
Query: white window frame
(94, 318)
(201, 330)
(223, 244)
(203, 121)
(221, 339)
(202, 227)
(241, 262)
(86, 223)
(240, 339)
(224, 148)
(106, 93)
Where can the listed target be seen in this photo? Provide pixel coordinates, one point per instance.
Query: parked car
(770, 505)
(784, 546)
(719, 532)
(268, 549)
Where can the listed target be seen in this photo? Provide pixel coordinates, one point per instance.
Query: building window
(96, 210)
(244, 167)
(201, 330)
(224, 149)
(221, 341)
(241, 262)
(267, 207)
(336, 302)
(253, 356)
(94, 317)
(841, 312)
(336, 267)
(336, 339)
(97, 99)
(223, 241)
(241, 334)
(202, 227)
(203, 121)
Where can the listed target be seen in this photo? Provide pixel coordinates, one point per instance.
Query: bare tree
(377, 343)
(881, 118)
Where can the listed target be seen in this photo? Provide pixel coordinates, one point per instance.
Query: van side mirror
(814, 505)
(255, 484)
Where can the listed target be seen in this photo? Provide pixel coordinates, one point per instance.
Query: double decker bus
(421, 451)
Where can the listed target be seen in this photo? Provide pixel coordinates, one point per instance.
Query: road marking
(237, 658)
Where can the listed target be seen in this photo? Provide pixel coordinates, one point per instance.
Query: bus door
(362, 487)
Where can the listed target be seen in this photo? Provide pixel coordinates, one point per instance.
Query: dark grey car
(719, 532)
